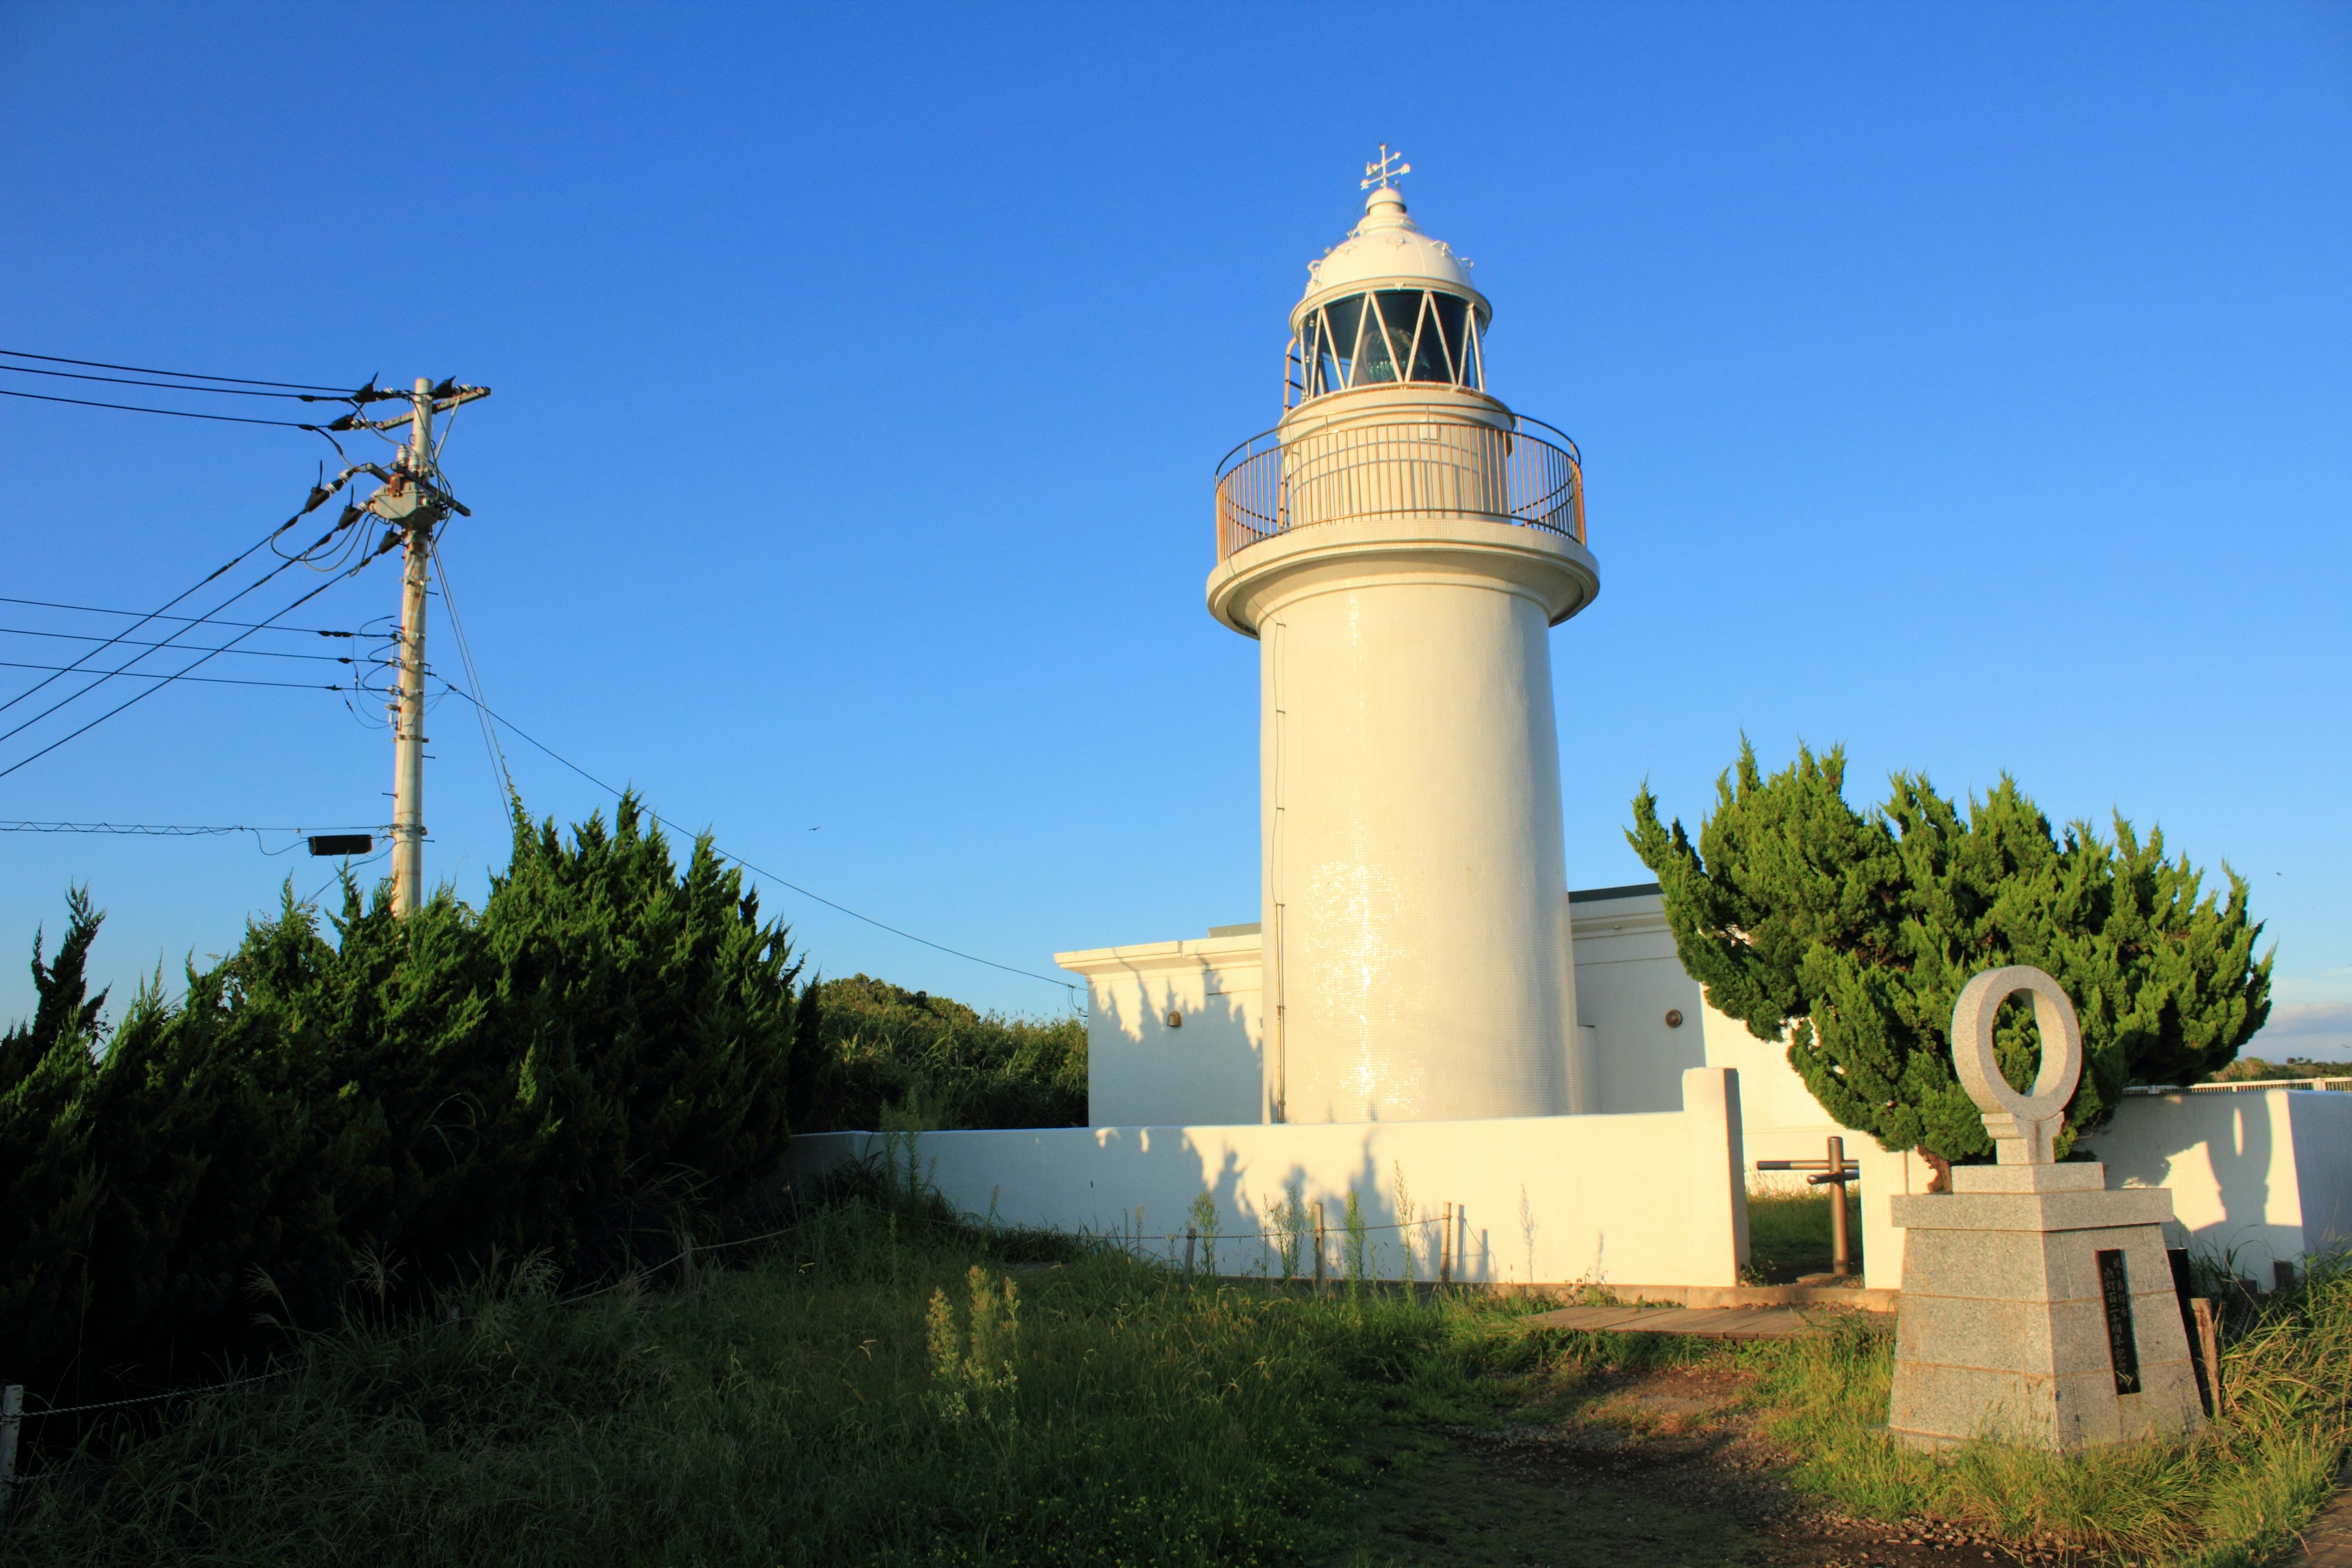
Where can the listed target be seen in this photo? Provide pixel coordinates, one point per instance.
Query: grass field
(878, 1387)
(1789, 1235)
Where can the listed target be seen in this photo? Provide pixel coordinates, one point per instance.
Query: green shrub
(890, 1058)
(600, 1050)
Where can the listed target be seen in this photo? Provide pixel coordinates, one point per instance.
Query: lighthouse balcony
(1429, 463)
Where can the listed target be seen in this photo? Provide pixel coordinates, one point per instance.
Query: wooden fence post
(2208, 1340)
(12, 1416)
(1318, 1246)
(1445, 1250)
(1192, 1234)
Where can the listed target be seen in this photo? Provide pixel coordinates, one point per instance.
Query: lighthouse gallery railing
(1427, 466)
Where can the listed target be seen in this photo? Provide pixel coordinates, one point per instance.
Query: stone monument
(2037, 1305)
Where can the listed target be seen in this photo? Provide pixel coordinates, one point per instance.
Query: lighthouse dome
(1386, 244)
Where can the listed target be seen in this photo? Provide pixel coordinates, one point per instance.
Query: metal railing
(1428, 465)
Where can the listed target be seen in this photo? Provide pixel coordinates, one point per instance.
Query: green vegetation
(902, 1060)
(2253, 1069)
(594, 1058)
(2234, 1497)
(607, 1054)
(1789, 1235)
(1860, 929)
(882, 1385)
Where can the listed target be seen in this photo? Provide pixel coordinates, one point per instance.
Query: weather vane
(1380, 174)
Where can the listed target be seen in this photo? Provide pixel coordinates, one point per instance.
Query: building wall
(1139, 1071)
(1649, 1199)
(1627, 980)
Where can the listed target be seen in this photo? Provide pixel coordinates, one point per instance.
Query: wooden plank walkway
(1705, 1322)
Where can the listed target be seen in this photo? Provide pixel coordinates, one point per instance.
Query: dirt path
(1654, 1469)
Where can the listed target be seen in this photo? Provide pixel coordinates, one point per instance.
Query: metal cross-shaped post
(1380, 174)
(1835, 1171)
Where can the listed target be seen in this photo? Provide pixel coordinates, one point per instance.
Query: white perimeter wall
(2257, 1177)
(2262, 1176)
(1645, 1199)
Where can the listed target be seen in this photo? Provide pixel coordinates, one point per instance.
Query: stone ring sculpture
(2024, 1127)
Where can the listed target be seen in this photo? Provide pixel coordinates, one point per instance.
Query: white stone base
(2001, 1332)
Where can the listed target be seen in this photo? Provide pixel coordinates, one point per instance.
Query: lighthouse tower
(1400, 545)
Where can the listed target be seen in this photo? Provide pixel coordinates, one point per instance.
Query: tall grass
(886, 1385)
(881, 1388)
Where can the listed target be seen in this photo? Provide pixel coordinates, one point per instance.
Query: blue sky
(1967, 385)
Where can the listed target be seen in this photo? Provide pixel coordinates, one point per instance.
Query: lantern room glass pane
(1453, 315)
(1377, 359)
(1428, 349)
(1341, 317)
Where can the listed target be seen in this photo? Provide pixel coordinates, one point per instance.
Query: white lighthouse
(1400, 545)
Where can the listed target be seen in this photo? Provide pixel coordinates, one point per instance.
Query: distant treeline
(610, 1050)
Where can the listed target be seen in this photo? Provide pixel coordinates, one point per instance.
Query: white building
(1425, 1019)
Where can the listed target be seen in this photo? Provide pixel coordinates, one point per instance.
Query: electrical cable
(473, 675)
(160, 615)
(181, 830)
(159, 686)
(134, 642)
(181, 374)
(164, 385)
(177, 829)
(318, 495)
(207, 679)
(105, 675)
(804, 892)
(226, 566)
(347, 868)
(174, 413)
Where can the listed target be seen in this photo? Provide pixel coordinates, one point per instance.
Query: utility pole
(408, 701)
(413, 501)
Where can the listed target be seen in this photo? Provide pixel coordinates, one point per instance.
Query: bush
(599, 1052)
(887, 1057)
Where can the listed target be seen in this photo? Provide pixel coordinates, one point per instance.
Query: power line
(150, 369)
(147, 675)
(159, 686)
(172, 829)
(168, 385)
(465, 658)
(107, 675)
(804, 892)
(174, 413)
(318, 497)
(160, 615)
(134, 642)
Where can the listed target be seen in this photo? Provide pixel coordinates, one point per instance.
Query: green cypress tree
(1853, 932)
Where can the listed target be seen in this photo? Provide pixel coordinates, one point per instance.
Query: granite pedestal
(2037, 1305)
